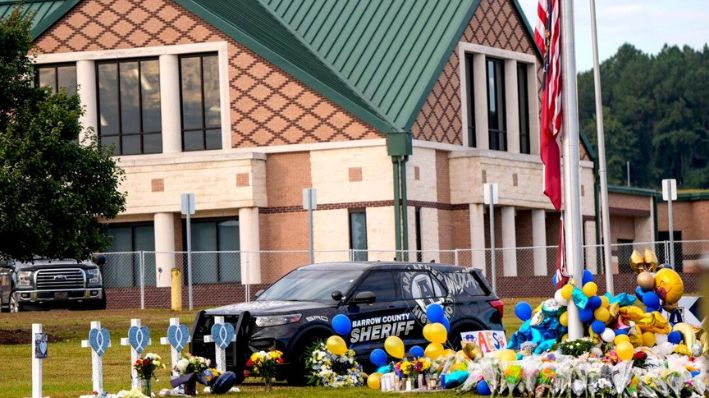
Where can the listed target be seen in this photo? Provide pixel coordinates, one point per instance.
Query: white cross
(135, 382)
(96, 362)
(174, 353)
(219, 353)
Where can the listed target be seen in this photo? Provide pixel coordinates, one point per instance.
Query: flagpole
(573, 238)
(602, 173)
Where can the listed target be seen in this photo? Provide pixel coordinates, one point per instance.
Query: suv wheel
(297, 373)
(15, 305)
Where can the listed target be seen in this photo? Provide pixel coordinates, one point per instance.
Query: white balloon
(665, 348)
(608, 335)
(559, 299)
(660, 338)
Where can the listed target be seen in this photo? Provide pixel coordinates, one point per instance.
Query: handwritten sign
(487, 340)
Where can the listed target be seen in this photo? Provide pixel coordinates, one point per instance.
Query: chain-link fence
(145, 279)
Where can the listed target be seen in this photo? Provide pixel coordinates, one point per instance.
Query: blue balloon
(554, 280)
(341, 324)
(674, 337)
(384, 369)
(378, 357)
(523, 310)
(482, 388)
(594, 302)
(639, 293)
(416, 351)
(434, 313)
(587, 277)
(445, 322)
(651, 301)
(621, 331)
(598, 327)
(586, 315)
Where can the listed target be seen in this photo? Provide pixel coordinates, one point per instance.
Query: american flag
(547, 36)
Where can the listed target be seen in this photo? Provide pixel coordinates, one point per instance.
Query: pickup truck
(45, 283)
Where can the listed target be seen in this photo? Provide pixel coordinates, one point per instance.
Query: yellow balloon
(566, 291)
(394, 346)
(437, 333)
(564, 337)
(427, 331)
(336, 345)
(621, 338)
(624, 350)
(590, 289)
(564, 319)
(669, 285)
(604, 302)
(448, 352)
(649, 339)
(374, 381)
(601, 314)
(433, 350)
(507, 355)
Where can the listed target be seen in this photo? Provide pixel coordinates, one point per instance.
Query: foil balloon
(472, 350)
(646, 281)
(689, 332)
(669, 285)
(643, 262)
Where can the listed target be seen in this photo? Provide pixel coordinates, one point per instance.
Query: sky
(647, 24)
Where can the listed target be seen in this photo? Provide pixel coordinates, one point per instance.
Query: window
(129, 106)
(358, 235)
(496, 104)
(57, 77)
(123, 266)
(210, 236)
(382, 284)
(471, 99)
(199, 92)
(523, 101)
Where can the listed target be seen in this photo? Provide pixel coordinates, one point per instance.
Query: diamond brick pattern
(494, 24)
(268, 106)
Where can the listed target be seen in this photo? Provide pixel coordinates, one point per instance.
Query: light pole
(188, 208)
(669, 193)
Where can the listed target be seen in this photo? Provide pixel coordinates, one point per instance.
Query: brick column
(512, 106)
(86, 89)
(249, 244)
(509, 241)
(482, 140)
(539, 240)
(164, 225)
(170, 104)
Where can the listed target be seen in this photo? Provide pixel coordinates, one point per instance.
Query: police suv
(381, 300)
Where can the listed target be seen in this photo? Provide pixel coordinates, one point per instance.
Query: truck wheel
(297, 373)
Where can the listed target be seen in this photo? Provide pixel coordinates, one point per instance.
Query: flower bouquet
(331, 370)
(145, 368)
(190, 369)
(511, 375)
(263, 364)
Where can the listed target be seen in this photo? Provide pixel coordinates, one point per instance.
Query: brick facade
(494, 24)
(268, 106)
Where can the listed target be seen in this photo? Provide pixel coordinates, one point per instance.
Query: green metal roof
(388, 51)
(45, 12)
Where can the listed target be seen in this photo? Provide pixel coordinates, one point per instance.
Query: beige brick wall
(331, 234)
(425, 188)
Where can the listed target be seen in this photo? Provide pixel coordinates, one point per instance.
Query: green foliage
(655, 115)
(53, 190)
(575, 347)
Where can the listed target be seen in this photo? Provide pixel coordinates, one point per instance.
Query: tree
(53, 189)
(655, 115)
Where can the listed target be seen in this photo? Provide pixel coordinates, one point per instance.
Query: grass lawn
(67, 370)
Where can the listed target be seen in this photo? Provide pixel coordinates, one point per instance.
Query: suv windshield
(311, 285)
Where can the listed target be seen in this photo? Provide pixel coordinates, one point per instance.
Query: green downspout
(397, 208)
(400, 147)
(404, 209)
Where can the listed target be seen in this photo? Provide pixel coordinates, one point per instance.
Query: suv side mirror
(365, 297)
(336, 295)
